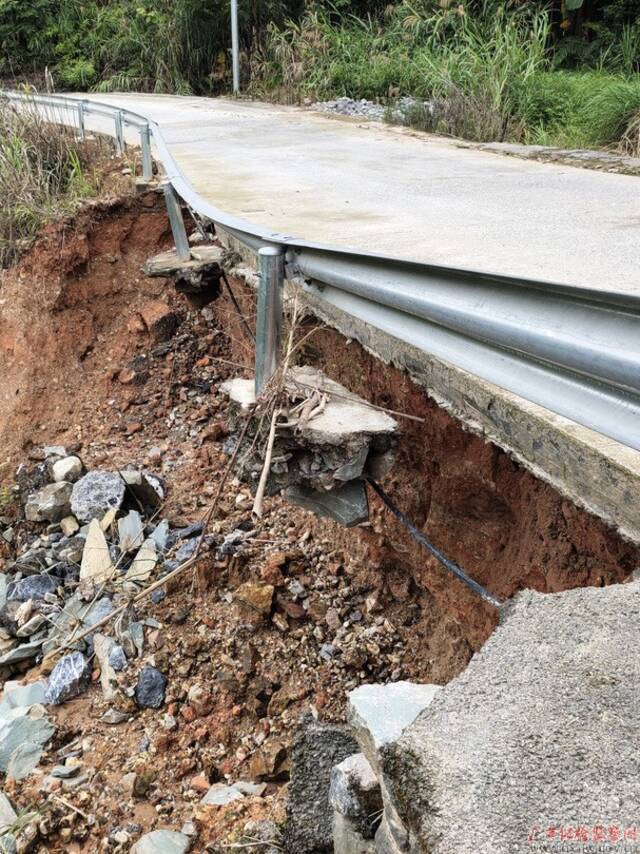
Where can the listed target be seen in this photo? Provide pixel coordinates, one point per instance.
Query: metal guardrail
(574, 351)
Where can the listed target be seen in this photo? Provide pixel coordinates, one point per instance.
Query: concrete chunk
(380, 713)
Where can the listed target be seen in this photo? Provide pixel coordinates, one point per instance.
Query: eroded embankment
(507, 529)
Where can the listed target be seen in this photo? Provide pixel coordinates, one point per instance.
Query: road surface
(363, 185)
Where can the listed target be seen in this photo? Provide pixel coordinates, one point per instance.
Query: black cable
(420, 537)
(237, 307)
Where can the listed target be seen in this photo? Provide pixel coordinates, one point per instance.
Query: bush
(42, 174)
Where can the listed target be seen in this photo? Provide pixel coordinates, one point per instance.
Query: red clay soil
(81, 367)
(507, 529)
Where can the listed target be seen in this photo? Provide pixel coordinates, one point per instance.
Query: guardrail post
(119, 133)
(269, 320)
(81, 121)
(145, 145)
(177, 223)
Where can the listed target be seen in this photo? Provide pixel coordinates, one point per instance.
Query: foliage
(42, 173)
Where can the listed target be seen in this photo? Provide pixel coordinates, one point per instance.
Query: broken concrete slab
(200, 273)
(380, 713)
(95, 494)
(330, 436)
(316, 749)
(539, 731)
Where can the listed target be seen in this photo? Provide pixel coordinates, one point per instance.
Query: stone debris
(50, 504)
(96, 563)
(95, 494)
(162, 842)
(103, 647)
(68, 678)
(130, 531)
(144, 562)
(151, 688)
(23, 734)
(354, 793)
(68, 469)
(220, 795)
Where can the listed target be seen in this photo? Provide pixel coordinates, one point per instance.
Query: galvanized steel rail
(574, 351)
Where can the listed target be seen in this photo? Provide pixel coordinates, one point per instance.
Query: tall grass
(487, 74)
(42, 174)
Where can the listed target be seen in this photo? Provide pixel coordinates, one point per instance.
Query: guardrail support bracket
(269, 321)
(177, 223)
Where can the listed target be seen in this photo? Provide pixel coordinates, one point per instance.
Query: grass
(44, 172)
(487, 75)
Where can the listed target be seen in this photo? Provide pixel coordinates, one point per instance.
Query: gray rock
(8, 817)
(22, 653)
(49, 504)
(380, 713)
(67, 469)
(316, 749)
(23, 760)
(68, 678)
(150, 689)
(22, 732)
(354, 793)
(160, 536)
(96, 493)
(221, 795)
(117, 658)
(162, 842)
(17, 695)
(541, 727)
(32, 587)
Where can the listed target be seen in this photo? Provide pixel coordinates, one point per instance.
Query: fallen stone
(380, 713)
(220, 795)
(7, 817)
(67, 469)
(316, 749)
(144, 562)
(69, 525)
(103, 647)
(22, 653)
(96, 563)
(96, 493)
(17, 695)
(113, 717)
(151, 688)
(32, 587)
(50, 504)
(160, 536)
(117, 658)
(130, 531)
(24, 760)
(347, 839)
(23, 734)
(541, 727)
(255, 597)
(68, 679)
(162, 842)
(32, 625)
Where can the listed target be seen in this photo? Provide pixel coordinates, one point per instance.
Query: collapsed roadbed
(287, 613)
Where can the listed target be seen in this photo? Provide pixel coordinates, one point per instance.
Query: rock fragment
(67, 469)
(96, 563)
(130, 531)
(68, 678)
(49, 504)
(151, 688)
(96, 493)
(162, 842)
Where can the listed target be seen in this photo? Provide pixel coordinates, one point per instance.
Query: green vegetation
(43, 173)
(562, 72)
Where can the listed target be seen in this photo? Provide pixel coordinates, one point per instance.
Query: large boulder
(536, 741)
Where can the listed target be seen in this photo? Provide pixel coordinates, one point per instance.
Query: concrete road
(392, 191)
